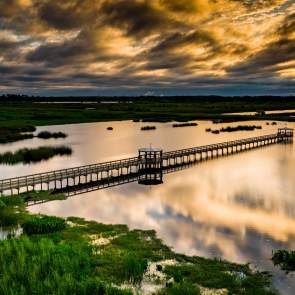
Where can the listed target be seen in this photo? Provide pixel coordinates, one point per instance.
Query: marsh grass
(40, 224)
(27, 156)
(240, 128)
(12, 134)
(55, 256)
(285, 259)
(183, 288)
(41, 266)
(48, 135)
(147, 128)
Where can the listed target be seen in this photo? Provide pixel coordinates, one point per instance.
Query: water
(239, 208)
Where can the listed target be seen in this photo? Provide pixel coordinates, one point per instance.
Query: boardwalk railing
(108, 171)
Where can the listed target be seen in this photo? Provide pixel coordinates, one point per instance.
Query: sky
(147, 47)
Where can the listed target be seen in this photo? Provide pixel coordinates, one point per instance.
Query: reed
(39, 224)
(27, 156)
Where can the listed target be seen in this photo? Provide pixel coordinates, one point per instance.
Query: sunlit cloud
(148, 45)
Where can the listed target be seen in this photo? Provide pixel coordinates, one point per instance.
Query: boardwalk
(148, 167)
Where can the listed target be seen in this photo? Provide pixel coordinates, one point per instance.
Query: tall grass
(39, 224)
(27, 156)
(43, 267)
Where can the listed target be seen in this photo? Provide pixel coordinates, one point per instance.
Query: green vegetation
(27, 156)
(184, 125)
(12, 134)
(240, 128)
(22, 111)
(234, 129)
(285, 259)
(47, 135)
(147, 128)
(43, 225)
(182, 288)
(74, 256)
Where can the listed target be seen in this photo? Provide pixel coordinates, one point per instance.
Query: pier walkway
(147, 167)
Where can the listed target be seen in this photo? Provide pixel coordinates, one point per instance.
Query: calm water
(238, 208)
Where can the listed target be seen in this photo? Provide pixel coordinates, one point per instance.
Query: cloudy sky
(123, 47)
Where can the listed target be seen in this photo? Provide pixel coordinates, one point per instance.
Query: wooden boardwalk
(131, 168)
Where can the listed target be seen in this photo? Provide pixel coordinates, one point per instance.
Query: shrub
(44, 267)
(43, 225)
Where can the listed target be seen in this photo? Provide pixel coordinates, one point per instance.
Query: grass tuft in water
(27, 156)
(285, 259)
(39, 224)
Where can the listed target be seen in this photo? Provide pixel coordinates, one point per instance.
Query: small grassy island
(27, 156)
(147, 128)
(17, 133)
(74, 256)
(184, 125)
(12, 134)
(48, 135)
(240, 128)
(234, 129)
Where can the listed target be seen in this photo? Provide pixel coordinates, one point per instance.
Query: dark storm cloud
(171, 45)
(136, 17)
(268, 60)
(265, 61)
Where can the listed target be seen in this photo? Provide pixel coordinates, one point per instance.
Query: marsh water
(238, 208)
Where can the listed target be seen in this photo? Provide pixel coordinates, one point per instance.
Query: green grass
(183, 288)
(285, 259)
(149, 109)
(39, 224)
(27, 156)
(55, 256)
(42, 266)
